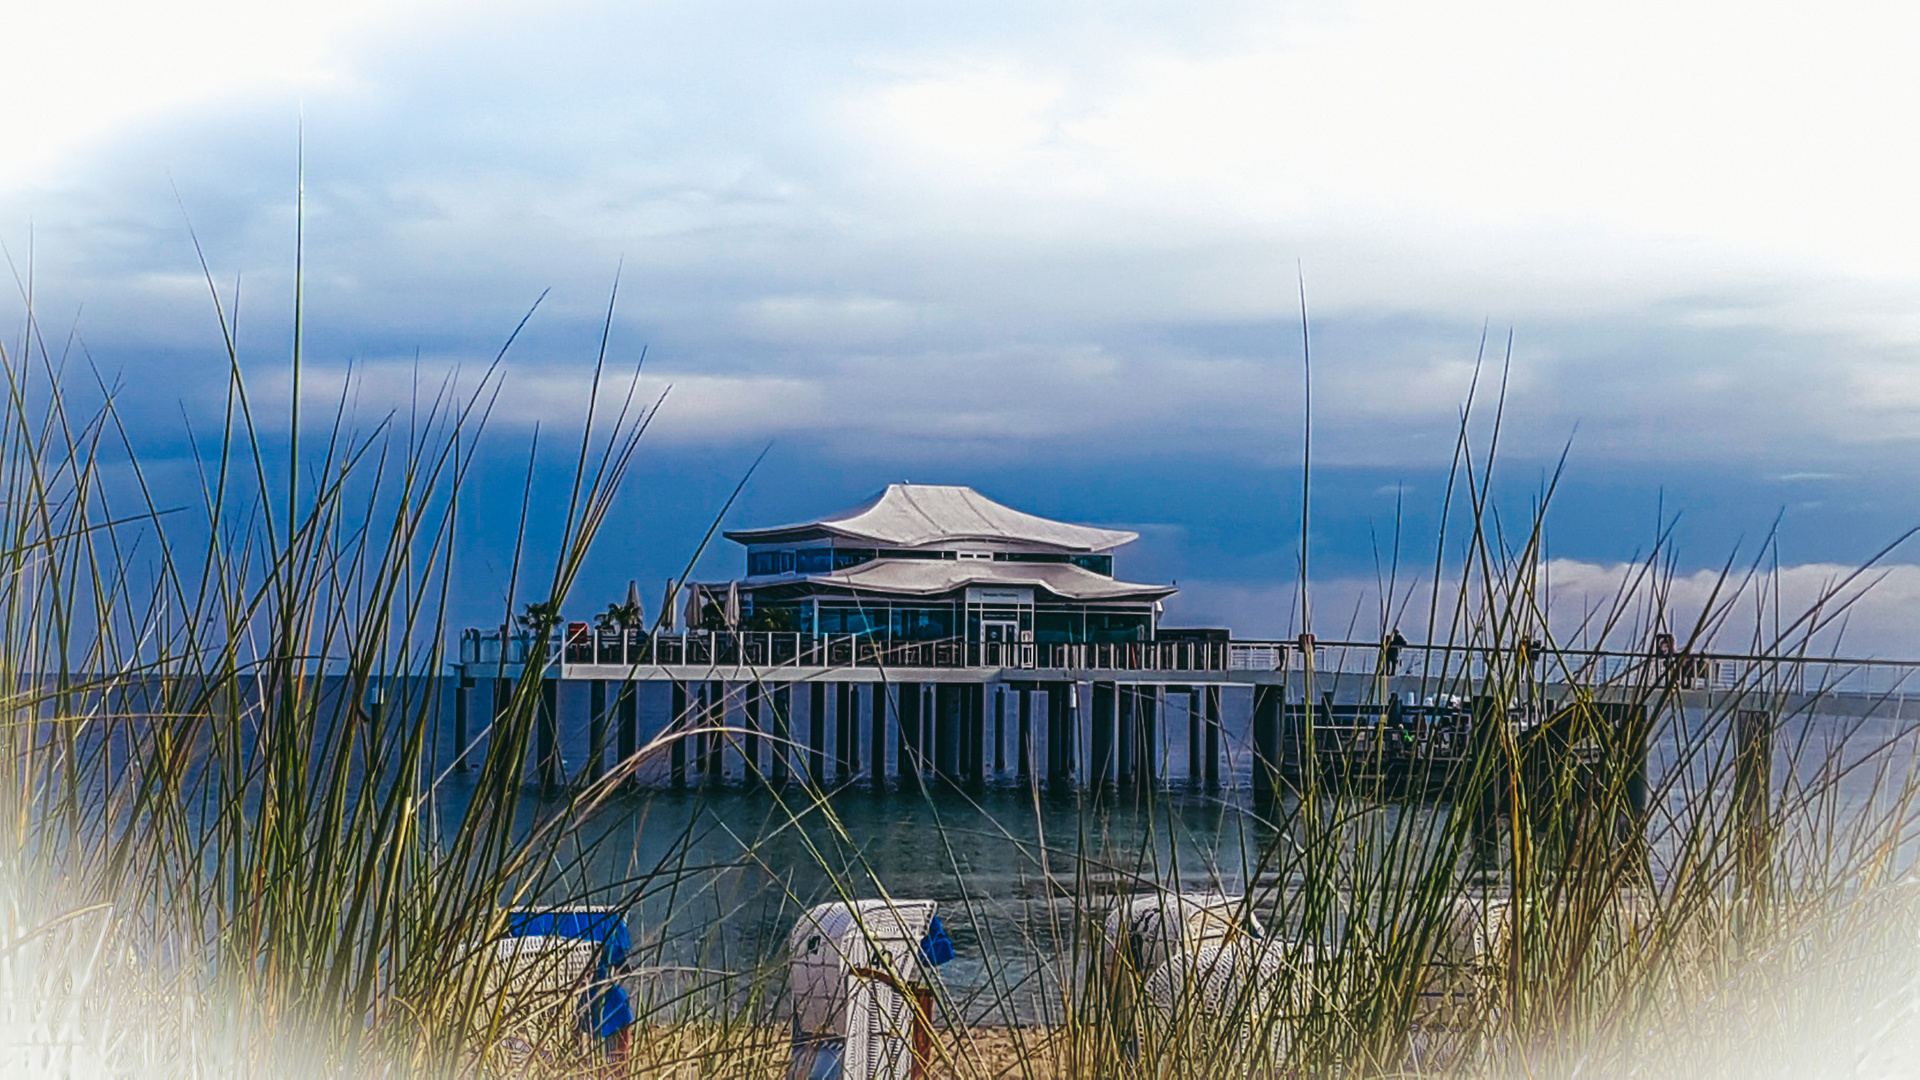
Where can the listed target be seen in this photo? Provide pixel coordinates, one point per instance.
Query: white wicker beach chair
(1245, 994)
(859, 1003)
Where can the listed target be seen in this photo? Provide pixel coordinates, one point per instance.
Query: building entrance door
(1002, 641)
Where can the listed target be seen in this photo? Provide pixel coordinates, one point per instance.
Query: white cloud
(928, 231)
(1850, 613)
(702, 407)
(1735, 126)
(834, 320)
(82, 70)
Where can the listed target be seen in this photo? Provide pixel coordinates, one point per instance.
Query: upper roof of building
(917, 515)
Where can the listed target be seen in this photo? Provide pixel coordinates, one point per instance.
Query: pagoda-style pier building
(937, 634)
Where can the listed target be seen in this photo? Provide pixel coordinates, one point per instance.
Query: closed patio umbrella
(666, 608)
(733, 605)
(636, 613)
(696, 599)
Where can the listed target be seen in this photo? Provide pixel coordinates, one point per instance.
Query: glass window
(761, 563)
(827, 560)
(869, 622)
(845, 557)
(784, 619)
(922, 624)
(1115, 626)
(1057, 627)
(1099, 564)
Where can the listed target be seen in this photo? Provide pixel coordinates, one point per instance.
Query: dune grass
(227, 851)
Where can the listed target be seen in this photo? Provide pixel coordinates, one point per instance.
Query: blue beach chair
(608, 1013)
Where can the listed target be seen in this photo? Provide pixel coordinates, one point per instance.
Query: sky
(1056, 251)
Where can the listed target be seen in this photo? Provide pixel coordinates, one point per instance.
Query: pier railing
(583, 644)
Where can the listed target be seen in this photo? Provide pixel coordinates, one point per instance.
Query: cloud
(95, 68)
(834, 320)
(1074, 234)
(1830, 609)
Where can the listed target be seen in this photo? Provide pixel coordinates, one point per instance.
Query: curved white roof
(915, 515)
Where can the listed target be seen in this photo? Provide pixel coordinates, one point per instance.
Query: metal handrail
(1684, 669)
(582, 644)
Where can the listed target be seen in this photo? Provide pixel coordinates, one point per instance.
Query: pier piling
(911, 759)
(1211, 764)
(676, 726)
(596, 729)
(1266, 740)
(546, 734)
(816, 733)
(462, 706)
(1023, 734)
(629, 741)
(1752, 784)
(782, 732)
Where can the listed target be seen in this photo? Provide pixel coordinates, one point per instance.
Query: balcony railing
(585, 644)
(1443, 665)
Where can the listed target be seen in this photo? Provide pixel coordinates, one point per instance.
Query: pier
(933, 635)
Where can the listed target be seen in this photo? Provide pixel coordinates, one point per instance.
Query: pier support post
(629, 741)
(1024, 769)
(462, 706)
(702, 702)
(962, 716)
(929, 740)
(999, 729)
(1490, 773)
(912, 759)
(1196, 737)
(816, 733)
(714, 771)
(596, 730)
(754, 694)
(1625, 736)
(946, 730)
(1102, 766)
(877, 734)
(1155, 762)
(856, 758)
(846, 735)
(1753, 819)
(1266, 740)
(1127, 731)
(546, 735)
(677, 720)
(502, 701)
(1060, 725)
(1024, 735)
(975, 696)
(782, 731)
(1212, 749)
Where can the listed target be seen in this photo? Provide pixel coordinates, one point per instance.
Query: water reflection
(714, 878)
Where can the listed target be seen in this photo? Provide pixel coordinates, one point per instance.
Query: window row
(937, 623)
(828, 560)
